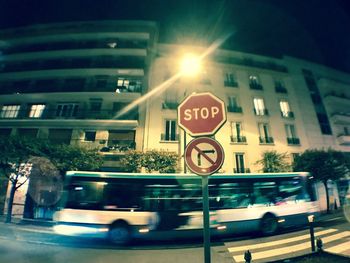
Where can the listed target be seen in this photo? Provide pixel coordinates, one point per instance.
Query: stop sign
(201, 114)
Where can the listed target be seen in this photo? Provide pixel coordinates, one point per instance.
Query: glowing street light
(190, 65)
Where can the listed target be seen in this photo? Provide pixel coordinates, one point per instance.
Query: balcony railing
(256, 86)
(170, 105)
(241, 170)
(280, 89)
(344, 139)
(293, 141)
(240, 139)
(288, 114)
(261, 112)
(234, 109)
(232, 84)
(72, 114)
(169, 137)
(117, 145)
(266, 140)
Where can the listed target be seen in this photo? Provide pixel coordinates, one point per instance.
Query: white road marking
(288, 249)
(279, 242)
(339, 248)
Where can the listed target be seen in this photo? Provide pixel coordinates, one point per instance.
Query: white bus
(123, 206)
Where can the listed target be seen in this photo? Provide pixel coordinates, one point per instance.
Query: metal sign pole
(206, 224)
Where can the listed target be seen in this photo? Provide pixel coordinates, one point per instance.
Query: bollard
(312, 233)
(319, 244)
(247, 256)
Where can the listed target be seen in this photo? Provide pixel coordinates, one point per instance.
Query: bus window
(291, 191)
(85, 195)
(231, 195)
(265, 193)
(122, 196)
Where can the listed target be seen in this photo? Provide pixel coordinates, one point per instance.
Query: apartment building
(286, 104)
(67, 82)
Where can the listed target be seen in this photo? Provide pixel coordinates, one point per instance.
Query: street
(28, 243)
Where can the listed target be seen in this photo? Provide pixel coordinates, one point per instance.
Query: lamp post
(190, 66)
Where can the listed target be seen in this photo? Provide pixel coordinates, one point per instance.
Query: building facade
(287, 105)
(68, 83)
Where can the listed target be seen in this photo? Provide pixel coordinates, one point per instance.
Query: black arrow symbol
(199, 159)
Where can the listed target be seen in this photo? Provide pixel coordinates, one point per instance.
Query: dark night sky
(316, 30)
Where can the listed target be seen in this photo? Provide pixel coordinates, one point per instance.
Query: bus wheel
(119, 233)
(268, 225)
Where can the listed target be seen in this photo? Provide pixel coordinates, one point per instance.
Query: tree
(324, 165)
(273, 162)
(14, 164)
(72, 157)
(152, 161)
(18, 154)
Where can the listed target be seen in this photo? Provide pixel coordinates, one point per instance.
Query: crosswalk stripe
(274, 252)
(279, 242)
(288, 249)
(335, 237)
(339, 248)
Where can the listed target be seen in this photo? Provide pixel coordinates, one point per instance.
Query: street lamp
(190, 66)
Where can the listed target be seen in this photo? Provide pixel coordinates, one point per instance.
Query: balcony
(170, 105)
(231, 84)
(235, 109)
(71, 113)
(341, 118)
(169, 137)
(266, 140)
(117, 146)
(344, 139)
(281, 89)
(287, 114)
(241, 170)
(238, 139)
(293, 141)
(261, 112)
(255, 86)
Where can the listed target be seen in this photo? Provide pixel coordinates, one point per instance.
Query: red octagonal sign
(201, 114)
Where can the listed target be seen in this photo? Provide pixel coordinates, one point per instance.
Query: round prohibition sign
(204, 156)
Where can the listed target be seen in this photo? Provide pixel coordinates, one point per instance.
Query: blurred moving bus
(123, 206)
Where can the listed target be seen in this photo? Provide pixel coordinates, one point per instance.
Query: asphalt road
(29, 243)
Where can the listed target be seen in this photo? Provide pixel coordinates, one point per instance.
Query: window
(285, 109)
(254, 83)
(59, 136)
(233, 105)
(170, 99)
(291, 134)
(90, 136)
(230, 80)
(9, 111)
(128, 85)
(259, 107)
(239, 163)
(170, 131)
(5, 132)
(27, 132)
(67, 110)
(132, 114)
(95, 104)
(264, 133)
(237, 133)
(74, 84)
(36, 110)
(279, 87)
